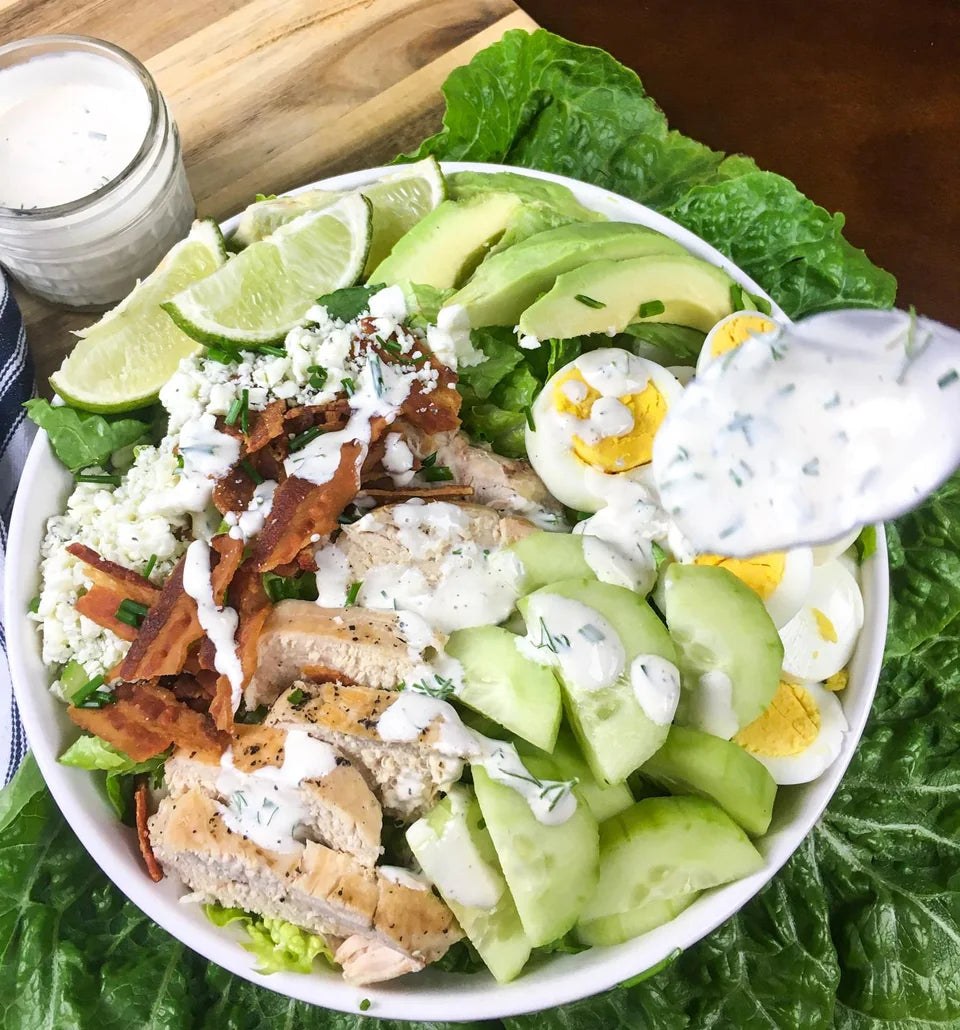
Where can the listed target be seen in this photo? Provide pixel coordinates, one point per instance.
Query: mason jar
(93, 190)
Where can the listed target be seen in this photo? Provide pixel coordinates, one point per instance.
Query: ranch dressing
(801, 434)
(265, 805)
(219, 624)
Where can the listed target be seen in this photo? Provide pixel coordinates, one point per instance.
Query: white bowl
(429, 995)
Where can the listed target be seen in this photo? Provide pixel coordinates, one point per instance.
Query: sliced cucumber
(654, 858)
(614, 733)
(692, 762)
(551, 870)
(548, 557)
(720, 626)
(502, 684)
(450, 842)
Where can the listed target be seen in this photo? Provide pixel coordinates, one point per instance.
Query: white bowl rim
(429, 996)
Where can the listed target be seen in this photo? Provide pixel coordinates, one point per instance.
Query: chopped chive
(591, 633)
(590, 302)
(82, 693)
(659, 554)
(254, 715)
(233, 412)
(318, 376)
(429, 460)
(298, 442)
(222, 356)
(85, 477)
(348, 388)
(736, 296)
(528, 411)
(349, 515)
(99, 699)
(393, 346)
(354, 591)
(376, 374)
(296, 697)
(269, 348)
(179, 461)
(245, 412)
(34, 605)
(150, 566)
(251, 471)
(364, 1004)
(650, 308)
(438, 474)
(950, 377)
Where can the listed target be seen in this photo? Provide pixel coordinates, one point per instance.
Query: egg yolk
(837, 681)
(788, 727)
(762, 573)
(613, 453)
(825, 627)
(731, 334)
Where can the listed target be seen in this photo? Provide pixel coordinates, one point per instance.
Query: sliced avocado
(444, 247)
(467, 185)
(678, 288)
(506, 284)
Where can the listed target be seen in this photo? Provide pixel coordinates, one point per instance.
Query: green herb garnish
(437, 474)
(429, 461)
(318, 376)
(251, 471)
(150, 566)
(348, 388)
(354, 592)
(34, 605)
(80, 695)
(296, 697)
(88, 477)
(298, 442)
(651, 308)
(590, 302)
(132, 613)
(245, 412)
(233, 412)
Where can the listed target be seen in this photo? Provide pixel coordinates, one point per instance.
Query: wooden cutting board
(270, 94)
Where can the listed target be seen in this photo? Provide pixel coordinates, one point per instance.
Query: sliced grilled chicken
(340, 809)
(299, 639)
(405, 776)
(324, 891)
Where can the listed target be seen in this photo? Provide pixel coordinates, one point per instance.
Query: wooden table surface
(858, 103)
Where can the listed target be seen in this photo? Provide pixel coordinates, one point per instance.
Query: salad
(375, 621)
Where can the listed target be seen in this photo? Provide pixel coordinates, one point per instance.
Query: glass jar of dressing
(93, 191)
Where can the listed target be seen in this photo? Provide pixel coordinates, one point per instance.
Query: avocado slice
(681, 289)
(467, 185)
(445, 246)
(507, 283)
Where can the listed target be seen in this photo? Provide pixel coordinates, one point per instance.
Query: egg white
(822, 753)
(827, 552)
(615, 373)
(807, 654)
(706, 357)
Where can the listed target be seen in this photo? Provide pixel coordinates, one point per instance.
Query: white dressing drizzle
(709, 706)
(576, 638)
(250, 522)
(220, 624)
(656, 686)
(404, 877)
(265, 805)
(469, 880)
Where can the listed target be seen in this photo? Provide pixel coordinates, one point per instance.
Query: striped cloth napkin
(16, 435)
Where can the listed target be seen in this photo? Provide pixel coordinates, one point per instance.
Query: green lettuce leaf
(348, 302)
(501, 357)
(89, 752)
(81, 439)
(278, 946)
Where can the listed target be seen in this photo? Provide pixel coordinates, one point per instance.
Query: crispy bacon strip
(143, 833)
(252, 606)
(117, 578)
(233, 491)
(146, 719)
(172, 626)
(266, 425)
(438, 410)
(429, 493)
(301, 508)
(100, 604)
(221, 707)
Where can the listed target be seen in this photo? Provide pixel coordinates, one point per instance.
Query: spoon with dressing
(809, 431)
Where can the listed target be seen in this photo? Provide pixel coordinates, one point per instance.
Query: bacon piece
(434, 407)
(221, 707)
(265, 425)
(100, 604)
(172, 626)
(252, 606)
(301, 508)
(428, 493)
(143, 834)
(146, 719)
(233, 491)
(118, 578)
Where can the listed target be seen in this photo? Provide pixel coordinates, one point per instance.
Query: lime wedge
(121, 362)
(399, 202)
(259, 220)
(262, 293)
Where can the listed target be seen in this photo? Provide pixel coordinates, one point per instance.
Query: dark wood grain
(857, 102)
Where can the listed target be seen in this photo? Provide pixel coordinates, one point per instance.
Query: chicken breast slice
(342, 810)
(368, 962)
(504, 484)
(323, 891)
(405, 776)
(365, 645)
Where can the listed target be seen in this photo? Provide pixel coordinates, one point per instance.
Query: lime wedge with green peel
(267, 289)
(121, 362)
(264, 217)
(399, 202)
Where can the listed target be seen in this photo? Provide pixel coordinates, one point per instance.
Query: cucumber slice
(654, 858)
(692, 762)
(500, 683)
(551, 870)
(603, 799)
(612, 729)
(720, 626)
(451, 842)
(547, 557)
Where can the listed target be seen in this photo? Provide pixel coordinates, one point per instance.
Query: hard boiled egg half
(799, 735)
(730, 332)
(595, 421)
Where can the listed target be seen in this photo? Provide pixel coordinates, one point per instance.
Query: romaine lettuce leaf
(81, 439)
(89, 752)
(278, 945)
